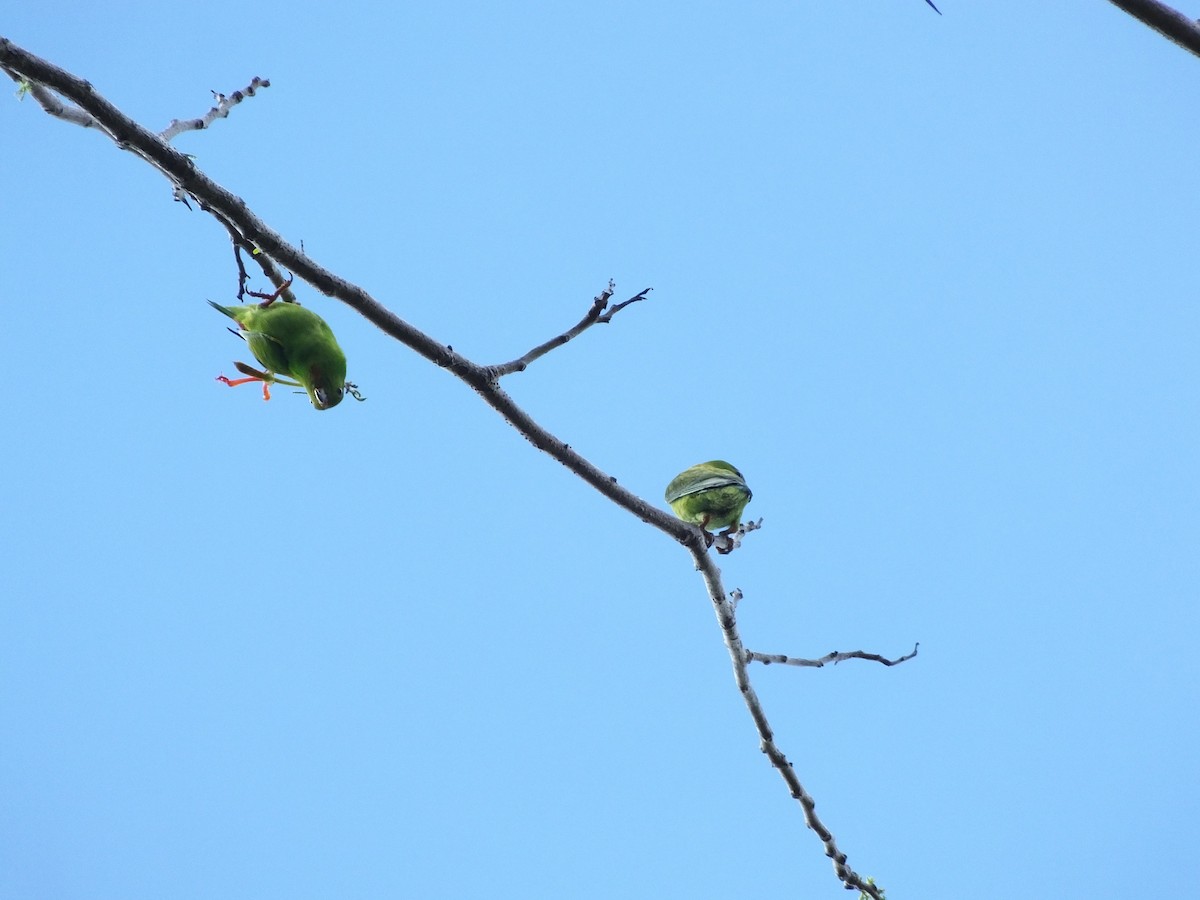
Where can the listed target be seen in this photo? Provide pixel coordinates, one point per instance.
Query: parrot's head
(325, 378)
(324, 396)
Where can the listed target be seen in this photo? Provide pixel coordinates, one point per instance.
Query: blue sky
(928, 281)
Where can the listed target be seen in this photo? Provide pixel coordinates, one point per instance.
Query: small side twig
(608, 316)
(835, 658)
(51, 103)
(224, 104)
(594, 315)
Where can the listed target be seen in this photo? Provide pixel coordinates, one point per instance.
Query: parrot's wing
(712, 481)
(264, 336)
(268, 350)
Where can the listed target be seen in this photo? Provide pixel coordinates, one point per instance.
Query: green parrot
(288, 339)
(710, 494)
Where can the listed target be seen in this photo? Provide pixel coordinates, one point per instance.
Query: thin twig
(224, 104)
(835, 657)
(593, 316)
(52, 104)
(608, 316)
(1169, 22)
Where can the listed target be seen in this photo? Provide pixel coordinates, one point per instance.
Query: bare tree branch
(249, 232)
(592, 317)
(835, 657)
(1168, 22)
(740, 656)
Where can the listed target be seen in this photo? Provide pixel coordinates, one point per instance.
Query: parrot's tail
(224, 309)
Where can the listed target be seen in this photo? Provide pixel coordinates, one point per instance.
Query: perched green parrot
(712, 494)
(290, 340)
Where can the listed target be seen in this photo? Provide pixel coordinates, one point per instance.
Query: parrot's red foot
(236, 381)
(268, 299)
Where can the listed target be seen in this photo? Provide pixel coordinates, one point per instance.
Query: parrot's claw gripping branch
(731, 538)
(728, 540)
(284, 290)
(595, 315)
(240, 242)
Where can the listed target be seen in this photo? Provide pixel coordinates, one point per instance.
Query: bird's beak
(323, 399)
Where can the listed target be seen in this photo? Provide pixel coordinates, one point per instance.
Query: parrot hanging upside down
(710, 494)
(288, 339)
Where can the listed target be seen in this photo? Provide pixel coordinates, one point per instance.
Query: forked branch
(594, 315)
(740, 657)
